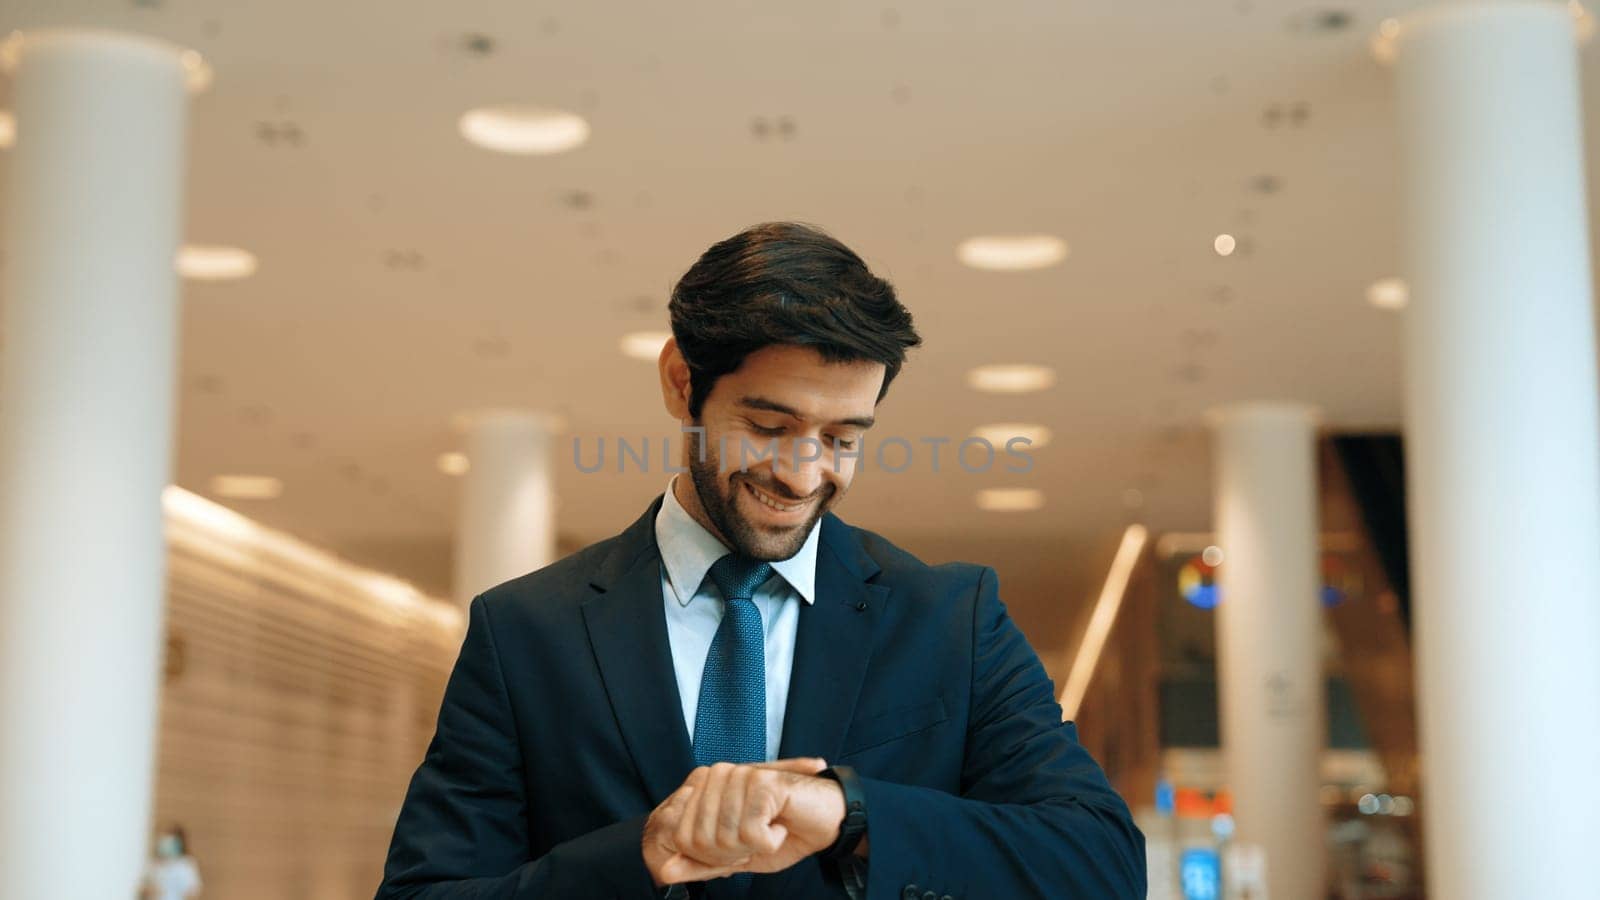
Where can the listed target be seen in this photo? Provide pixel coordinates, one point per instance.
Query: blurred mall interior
(1293, 301)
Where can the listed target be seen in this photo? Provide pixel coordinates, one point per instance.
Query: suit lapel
(628, 632)
(833, 646)
(832, 649)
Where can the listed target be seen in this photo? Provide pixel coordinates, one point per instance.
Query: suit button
(912, 892)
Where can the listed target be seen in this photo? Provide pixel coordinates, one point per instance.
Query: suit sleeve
(463, 830)
(1036, 817)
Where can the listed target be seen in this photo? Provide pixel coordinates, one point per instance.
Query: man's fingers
(702, 843)
(730, 814)
(761, 804)
(663, 824)
(683, 828)
(680, 869)
(679, 798)
(800, 765)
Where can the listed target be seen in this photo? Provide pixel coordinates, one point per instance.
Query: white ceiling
(1136, 131)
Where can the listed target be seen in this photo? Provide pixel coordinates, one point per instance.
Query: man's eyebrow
(862, 422)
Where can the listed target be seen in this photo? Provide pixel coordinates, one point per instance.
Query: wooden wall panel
(300, 693)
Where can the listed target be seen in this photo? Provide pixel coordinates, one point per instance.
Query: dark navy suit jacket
(561, 729)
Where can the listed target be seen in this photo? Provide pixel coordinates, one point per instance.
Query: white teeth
(770, 503)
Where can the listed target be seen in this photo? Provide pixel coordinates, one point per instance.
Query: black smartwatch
(854, 826)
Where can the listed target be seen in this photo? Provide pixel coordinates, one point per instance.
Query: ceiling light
(454, 463)
(1010, 253)
(999, 434)
(8, 129)
(203, 263)
(645, 345)
(1224, 244)
(246, 487)
(1011, 378)
(1388, 293)
(1010, 499)
(524, 129)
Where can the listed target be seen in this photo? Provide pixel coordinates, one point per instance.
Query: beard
(719, 497)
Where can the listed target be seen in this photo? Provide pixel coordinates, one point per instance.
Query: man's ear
(674, 380)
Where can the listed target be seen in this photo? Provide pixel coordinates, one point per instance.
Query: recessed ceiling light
(1000, 433)
(1011, 253)
(1010, 499)
(247, 487)
(454, 463)
(524, 129)
(1388, 293)
(207, 263)
(8, 129)
(1224, 244)
(1011, 378)
(645, 345)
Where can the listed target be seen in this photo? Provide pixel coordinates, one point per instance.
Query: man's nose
(799, 467)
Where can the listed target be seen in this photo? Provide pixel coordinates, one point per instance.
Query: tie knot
(737, 577)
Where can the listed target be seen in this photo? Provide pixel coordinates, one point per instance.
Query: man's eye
(843, 444)
(771, 432)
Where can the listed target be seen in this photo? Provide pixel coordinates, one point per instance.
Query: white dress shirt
(694, 609)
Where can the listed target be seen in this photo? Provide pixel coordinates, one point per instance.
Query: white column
(86, 415)
(1502, 449)
(507, 525)
(1269, 627)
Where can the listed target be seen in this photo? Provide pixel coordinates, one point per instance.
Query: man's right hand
(762, 817)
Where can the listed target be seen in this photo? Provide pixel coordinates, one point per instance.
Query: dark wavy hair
(784, 283)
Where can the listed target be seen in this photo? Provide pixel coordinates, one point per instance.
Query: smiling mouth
(771, 502)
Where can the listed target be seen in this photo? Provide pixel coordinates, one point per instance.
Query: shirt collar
(688, 550)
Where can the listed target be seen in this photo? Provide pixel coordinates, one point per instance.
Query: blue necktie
(730, 722)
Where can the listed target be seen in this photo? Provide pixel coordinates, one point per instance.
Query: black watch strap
(854, 826)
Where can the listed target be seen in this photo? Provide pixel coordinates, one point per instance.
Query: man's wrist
(853, 826)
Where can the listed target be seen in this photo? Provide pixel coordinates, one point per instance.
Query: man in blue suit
(741, 696)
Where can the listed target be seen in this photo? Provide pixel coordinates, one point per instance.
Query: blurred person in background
(741, 696)
(173, 874)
